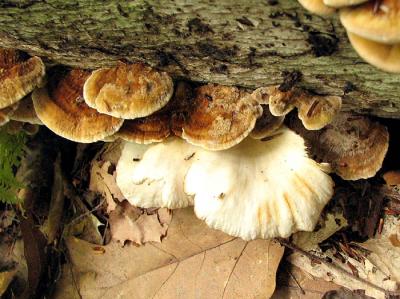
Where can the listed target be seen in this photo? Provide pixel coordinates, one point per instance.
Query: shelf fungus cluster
(373, 28)
(222, 149)
(19, 76)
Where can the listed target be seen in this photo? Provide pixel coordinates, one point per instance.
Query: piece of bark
(248, 43)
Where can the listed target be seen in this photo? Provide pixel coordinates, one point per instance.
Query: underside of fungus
(19, 75)
(61, 108)
(256, 189)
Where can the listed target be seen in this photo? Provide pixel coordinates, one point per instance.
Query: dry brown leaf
(129, 223)
(327, 227)
(5, 279)
(193, 261)
(102, 180)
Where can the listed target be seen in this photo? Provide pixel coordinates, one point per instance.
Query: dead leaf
(5, 279)
(193, 261)
(325, 228)
(344, 293)
(129, 223)
(102, 180)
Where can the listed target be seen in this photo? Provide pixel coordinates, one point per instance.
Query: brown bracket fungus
(26, 112)
(60, 106)
(128, 91)
(374, 31)
(256, 189)
(343, 3)
(317, 6)
(315, 111)
(354, 146)
(221, 117)
(18, 76)
(267, 124)
(153, 128)
(5, 113)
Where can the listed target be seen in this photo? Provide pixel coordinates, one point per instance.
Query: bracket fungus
(221, 117)
(19, 75)
(354, 146)
(343, 3)
(128, 91)
(60, 106)
(317, 6)
(153, 128)
(374, 32)
(256, 189)
(5, 113)
(267, 124)
(153, 175)
(315, 111)
(25, 112)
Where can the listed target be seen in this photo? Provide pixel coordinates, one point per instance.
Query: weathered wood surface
(250, 43)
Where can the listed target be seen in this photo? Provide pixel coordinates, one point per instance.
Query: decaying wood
(249, 43)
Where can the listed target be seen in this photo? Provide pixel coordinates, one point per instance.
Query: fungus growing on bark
(153, 128)
(315, 111)
(19, 75)
(6, 112)
(60, 106)
(354, 146)
(317, 6)
(221, 117)
(343, 3)
(374, 32)
(26, 112)
(128, 91)
(153, 175)
(256, 189)
(267, 124)
(383, 56)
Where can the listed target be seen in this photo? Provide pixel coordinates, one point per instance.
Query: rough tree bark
(250, 43)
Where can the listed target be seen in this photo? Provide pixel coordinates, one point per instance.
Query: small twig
(334, 266)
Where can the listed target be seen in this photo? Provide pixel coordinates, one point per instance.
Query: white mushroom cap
(259, 189)
(153, 175)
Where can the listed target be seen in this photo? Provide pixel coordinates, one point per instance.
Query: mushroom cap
(381, 25)
(282, 102)
(18, 76)
(153, 175)
(343, 3)
(317, 6)
(259, 189)
(60, 106)
(26, 112)
(383, 56)
(354, 146)
(266, 125)
(221, 117)
(153, 128)
(317, 111)
(6, 112)
(128, 91)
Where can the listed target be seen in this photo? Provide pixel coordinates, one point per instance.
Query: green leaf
(11, 151)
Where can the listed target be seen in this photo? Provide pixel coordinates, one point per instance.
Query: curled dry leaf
(192, 261)
(19, 75)
(61, 108)
(128, 91)
(353, 145)
(128, 223)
